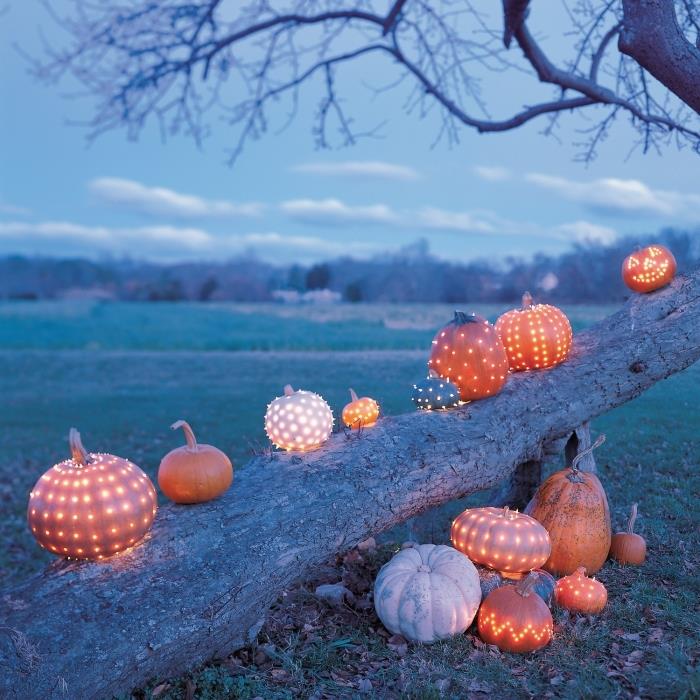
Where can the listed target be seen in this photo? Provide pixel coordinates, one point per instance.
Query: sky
(490, 196)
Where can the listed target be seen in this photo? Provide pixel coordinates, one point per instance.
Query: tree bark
(201, 583)
(651, 36)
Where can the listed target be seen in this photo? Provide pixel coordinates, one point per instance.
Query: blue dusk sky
(489, 196)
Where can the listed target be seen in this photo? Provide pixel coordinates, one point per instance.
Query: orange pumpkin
(515, 618)
(628, 547)
(573, 508)
(92, 505)
(501, 539)
(580, 594)
(360, 413)
(195, 472)
(535, 336)
(649, 268)
(469, 353)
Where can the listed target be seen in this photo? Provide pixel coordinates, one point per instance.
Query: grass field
(122, 374)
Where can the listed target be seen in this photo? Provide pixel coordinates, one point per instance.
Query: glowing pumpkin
(573, 508)
(299, 420)
(195, 472)
(535, 336)
(360, 413)
(469, 353)
(92, 505)
(580, 594)
(434, 393)
(501, 539)
(649, 268)
(629, 547)
(427, 592)
(515, 618)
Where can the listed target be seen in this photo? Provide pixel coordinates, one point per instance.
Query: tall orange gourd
(469, 353)
(573, 508)
(535, 336)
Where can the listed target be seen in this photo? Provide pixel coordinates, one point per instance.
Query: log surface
(200, 585)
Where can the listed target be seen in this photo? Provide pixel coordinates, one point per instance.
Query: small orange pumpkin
(515, 618)
(649, 268)
(469, 353)
(360, 413)
(573, 508)
(92, 505)
(536, 336)
(580, 594)
(501, 539)
(194, 473)
(628, 547)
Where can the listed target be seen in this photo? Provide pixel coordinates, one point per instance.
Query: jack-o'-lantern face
(648, 269)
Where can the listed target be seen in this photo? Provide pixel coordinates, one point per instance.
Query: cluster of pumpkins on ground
(94, 505)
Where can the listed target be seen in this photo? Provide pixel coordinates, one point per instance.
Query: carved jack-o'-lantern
(469, 353)
(535, 336)
(92, 505)
(360, 412)
(501, 539)
(299, 420)
(648, 269)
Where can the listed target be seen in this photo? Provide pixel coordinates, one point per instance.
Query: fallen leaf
(656, 635)
(398, 644)
(280, 675)
(159, 689)
(365, 685)
(335, 594)
(368, 545)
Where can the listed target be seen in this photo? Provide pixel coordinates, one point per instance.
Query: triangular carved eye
(632, 262)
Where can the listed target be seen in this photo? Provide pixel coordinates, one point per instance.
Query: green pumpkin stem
(632, 520)
(189, 433)
(77, 451)
(577, 459)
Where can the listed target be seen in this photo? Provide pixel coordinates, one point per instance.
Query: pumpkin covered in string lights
(298, 420)
(501, 539)
(535, 336)
(427, 592)
(580, 594)
(360, 412)
(433, 393)
(469, 353)
(92, 505)
(573, 507)
(515, 618)
(649, 268)
(629, 547)
(195, 472)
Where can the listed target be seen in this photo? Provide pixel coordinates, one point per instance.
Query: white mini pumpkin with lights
(92, 505)
(298, 420)
(427, 592)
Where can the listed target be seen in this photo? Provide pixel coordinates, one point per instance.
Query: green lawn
(646, 643)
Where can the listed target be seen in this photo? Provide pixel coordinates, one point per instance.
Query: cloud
(585, 231)
(333, 211)
(492, 173)
(360, 168)
(614, 195)
(434, 218)
(132, 195)
(12, 210)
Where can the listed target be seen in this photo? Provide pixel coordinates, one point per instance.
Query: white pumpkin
(427, 592)
(299, 420)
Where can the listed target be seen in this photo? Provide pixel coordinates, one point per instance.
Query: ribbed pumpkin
(360, 412)
(469, 353)
(580, 594)
(629, 547)
(515, 618)
(573, 508)
(500, 538)
(195, 472)
(649, 268)
(536, 336)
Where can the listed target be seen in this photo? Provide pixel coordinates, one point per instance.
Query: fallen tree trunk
(199, 587)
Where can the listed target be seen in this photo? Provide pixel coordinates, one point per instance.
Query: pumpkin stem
(527, 300)
(461, 317)
(353, 395)
(432, 374)
(288, 391)
(524, 586)
(78, 452)
(633, 518)
(577, 459)
(581, 571)
(189, 433)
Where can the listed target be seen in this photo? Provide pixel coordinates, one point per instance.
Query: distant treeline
(588, 273)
